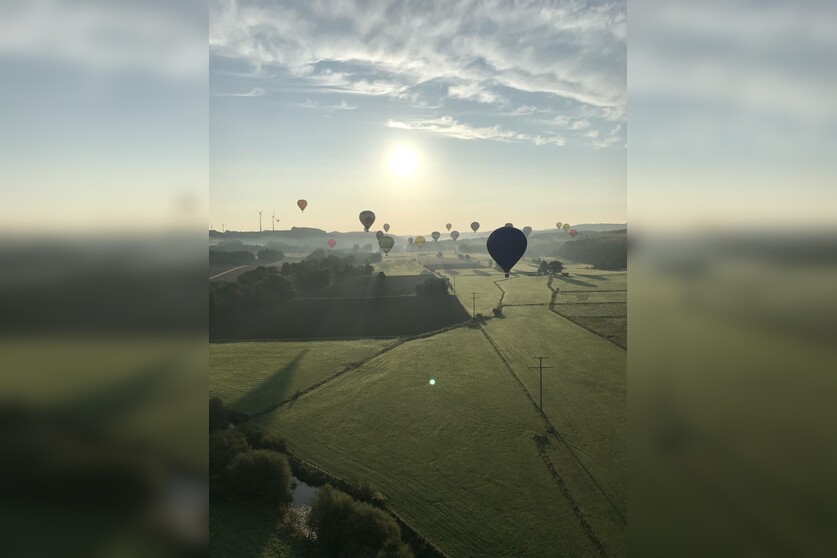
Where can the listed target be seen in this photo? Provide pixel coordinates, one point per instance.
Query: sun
(403, 162)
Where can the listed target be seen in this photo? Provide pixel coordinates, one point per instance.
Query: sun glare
(403, 163)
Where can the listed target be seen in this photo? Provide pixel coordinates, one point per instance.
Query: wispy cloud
(342, 105)
(448, 126)
(254, 92)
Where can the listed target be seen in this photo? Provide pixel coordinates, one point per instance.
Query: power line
(540, 368)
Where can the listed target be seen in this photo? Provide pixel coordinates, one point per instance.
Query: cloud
(490, 52)
(343, 105)
(254, 92)
(450, 127)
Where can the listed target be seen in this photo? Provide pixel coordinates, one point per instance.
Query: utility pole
(474, 300)
(454, 283)
(274, 221)
(540, 367)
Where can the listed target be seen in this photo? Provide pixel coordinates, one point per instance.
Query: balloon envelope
(454, 235)
(448, 226)
(558, 224)
(566, 226)
(419, 241)
(386, 227)
(379, 234)
(366, 219)
(410, 240)
(435, 235)
(475, 226)
(573, 232)
(386, 243)
(301, 204)
(506, 246)
(332, 243)
(527, 231)
(509, 225)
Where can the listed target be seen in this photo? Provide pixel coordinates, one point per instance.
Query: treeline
(244, 257)
(248, 467)
(608, 251)
(318, 270)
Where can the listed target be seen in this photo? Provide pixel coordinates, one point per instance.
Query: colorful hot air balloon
(527, 231)
(386, 243)
(419, 241)
(386, 227)
(558, 224)
(435, 235)
(367, 218)
(475, 226)
(379, 234)
(301, 204)
(332, 243)
(410, 240)
(509, 225)
(506, 246)
(566, 226)
(448, 226)
(454, 235)
(572, 232)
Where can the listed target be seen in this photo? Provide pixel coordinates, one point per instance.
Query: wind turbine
(260, 220)
(223, 230)
(274, 221)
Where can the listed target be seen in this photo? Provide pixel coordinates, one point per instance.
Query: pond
(304, 494)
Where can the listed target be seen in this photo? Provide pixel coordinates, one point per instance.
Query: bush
(498, 312)
(395, 549)
(259, 438)
(433, 287)
(261, 476)
(439, 255)
(382, 275)
(345, 527)
(224, 446)
(219, 415)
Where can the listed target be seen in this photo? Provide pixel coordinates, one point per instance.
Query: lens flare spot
(432, 382)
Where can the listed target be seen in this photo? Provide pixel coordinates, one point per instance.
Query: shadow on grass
(481, 273)
(272, 389)
(575, 281)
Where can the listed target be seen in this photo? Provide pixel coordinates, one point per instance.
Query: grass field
(585, 391)
(399, 264)
(266, 536)
(370, 286)
(252, 376)
(456, 459)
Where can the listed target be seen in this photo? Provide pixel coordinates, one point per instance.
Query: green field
(585, 391)
(266, 535)
(252, 376)
(455, 459)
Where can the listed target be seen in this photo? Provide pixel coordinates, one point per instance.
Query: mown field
(252, 376)
(455, 459)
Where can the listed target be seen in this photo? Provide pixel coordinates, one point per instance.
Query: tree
(395, 549)
(556, 267)
(382, 275)
(261, 476)
(433, 286)
(219, 415)
(543, 269)
(269, 256)
(224, 446)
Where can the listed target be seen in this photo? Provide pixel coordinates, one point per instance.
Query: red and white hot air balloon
(332, 243)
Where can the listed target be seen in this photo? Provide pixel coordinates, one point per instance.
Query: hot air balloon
(435, 235)
(367, 218)
(558, 224)
(506, 246)
(379, 234)
(475, 226)
(572, 232)
(454, 235)
(301, 204)
(386, 227)
(448, 226)
(419, 241)
(332, 243)
(566, 226)
(386, 243)
(509, 225)
(410, 240)
(527, 231)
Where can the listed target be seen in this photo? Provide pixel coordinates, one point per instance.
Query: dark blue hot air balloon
(506, 246)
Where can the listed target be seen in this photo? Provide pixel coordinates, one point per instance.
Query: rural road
(225, 272)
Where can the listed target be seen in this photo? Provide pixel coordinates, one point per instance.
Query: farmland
(468, 461)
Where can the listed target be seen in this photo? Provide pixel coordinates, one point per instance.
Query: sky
(509, 111)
